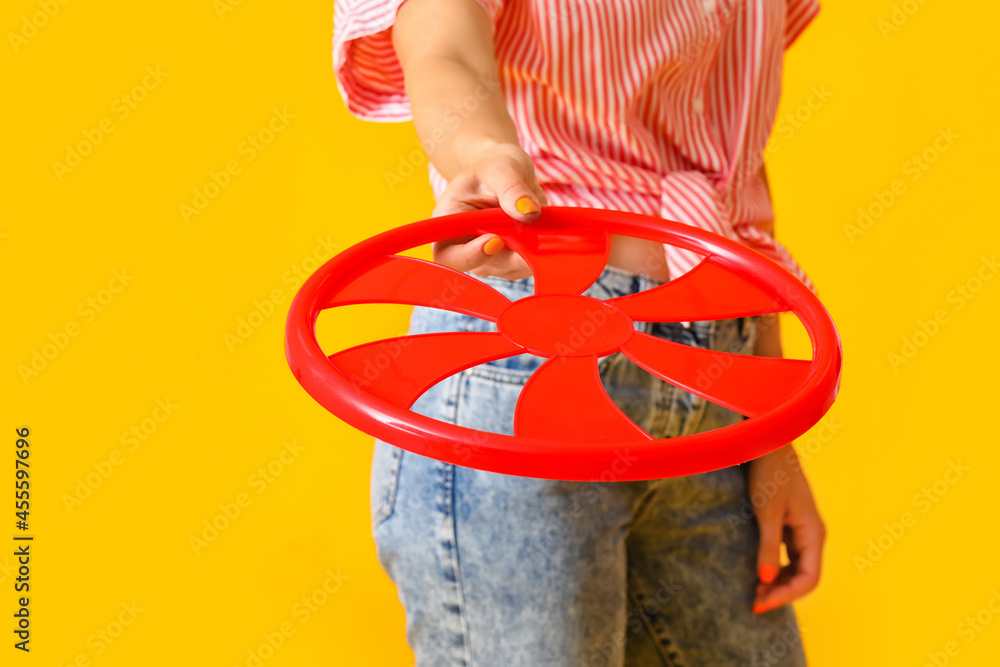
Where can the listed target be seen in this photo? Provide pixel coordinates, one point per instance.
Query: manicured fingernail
(525, 205)
(759, 607)
(767, 572)
(493, 246)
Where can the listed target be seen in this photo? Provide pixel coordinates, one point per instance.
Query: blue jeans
(501, 570)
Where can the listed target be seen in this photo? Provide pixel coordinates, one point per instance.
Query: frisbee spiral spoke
(547, 409)
(398, 279)
(563, 260)
(749, 385)
(399, 370)
(707, 292)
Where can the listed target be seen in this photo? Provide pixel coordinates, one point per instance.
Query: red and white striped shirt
(661, 107)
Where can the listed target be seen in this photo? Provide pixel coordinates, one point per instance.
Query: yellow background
(322, 177)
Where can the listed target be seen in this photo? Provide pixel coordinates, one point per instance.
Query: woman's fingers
(459, 196)
(804, 541)
(503, 176)
(770, 522)
(502, 262)
(467, 254)
(484, 255)
(508, 181)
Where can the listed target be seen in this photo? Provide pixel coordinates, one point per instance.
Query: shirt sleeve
(798, 15)
(367, 71)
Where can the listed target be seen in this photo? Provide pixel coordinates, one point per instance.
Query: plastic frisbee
(565, 424)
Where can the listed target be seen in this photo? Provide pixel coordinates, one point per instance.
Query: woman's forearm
(445, 49)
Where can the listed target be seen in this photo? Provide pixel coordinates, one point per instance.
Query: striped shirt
(661, 107)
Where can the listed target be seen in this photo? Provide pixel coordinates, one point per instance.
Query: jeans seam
(387, 504)
(455, 394)
(448, 507)
(666, 655)
(640, 506)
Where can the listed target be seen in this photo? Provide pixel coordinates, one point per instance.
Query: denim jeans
(502, 570)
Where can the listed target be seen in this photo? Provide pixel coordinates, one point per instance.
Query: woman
(653, 106)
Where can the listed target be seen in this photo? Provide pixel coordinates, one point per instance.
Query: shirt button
(709, 6)
(698, 104)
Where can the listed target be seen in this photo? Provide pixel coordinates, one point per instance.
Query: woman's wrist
(454, 152)
(476, 147)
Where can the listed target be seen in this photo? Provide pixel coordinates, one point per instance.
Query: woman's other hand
(787, 514)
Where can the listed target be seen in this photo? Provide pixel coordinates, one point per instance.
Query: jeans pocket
(488, 395)
(386, 461)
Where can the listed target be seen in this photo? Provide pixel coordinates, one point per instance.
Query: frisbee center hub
(565, 325)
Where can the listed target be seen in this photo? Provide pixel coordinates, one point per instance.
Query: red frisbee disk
(565, 424)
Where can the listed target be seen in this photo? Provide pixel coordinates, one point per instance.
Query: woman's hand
(788, 514)
(501, 175)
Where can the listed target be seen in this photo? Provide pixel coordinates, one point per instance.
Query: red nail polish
(759, 607)
(767, 572)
